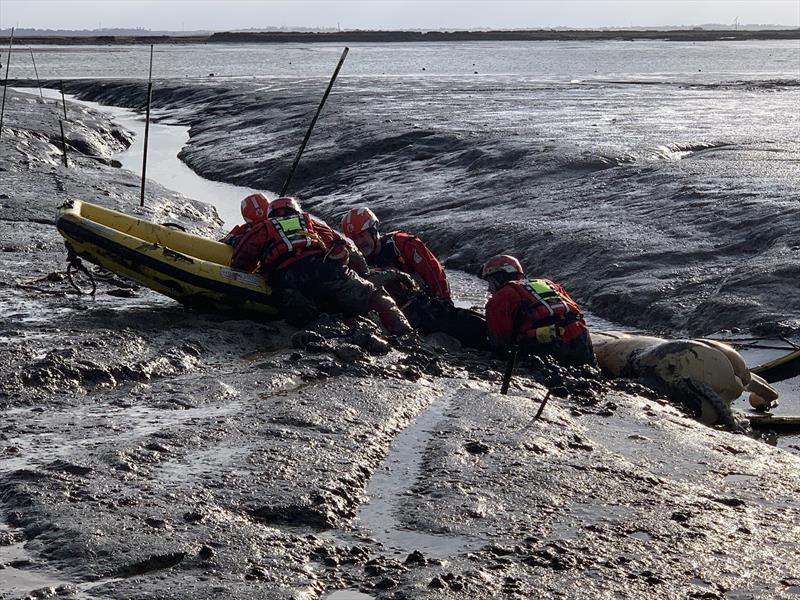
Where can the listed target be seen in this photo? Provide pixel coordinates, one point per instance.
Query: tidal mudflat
(149, 451)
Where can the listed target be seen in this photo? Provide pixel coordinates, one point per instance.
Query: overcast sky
(389, 14)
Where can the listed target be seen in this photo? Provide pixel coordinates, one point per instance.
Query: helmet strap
(499, 279)
(376, 239)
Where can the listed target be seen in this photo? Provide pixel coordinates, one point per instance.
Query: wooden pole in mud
(36, 72)
(5, 85)
(63, 100)
(313, 122)
(147, 125)
(61, 125)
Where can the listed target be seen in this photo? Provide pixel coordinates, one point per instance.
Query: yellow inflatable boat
(191, 269)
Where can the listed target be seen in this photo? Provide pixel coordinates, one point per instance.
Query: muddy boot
(391, 317)
(367, 334)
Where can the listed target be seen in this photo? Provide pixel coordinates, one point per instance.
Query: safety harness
(554, 324)
(295, 238)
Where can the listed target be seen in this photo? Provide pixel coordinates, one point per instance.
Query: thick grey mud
(684, 224)
(149, 451)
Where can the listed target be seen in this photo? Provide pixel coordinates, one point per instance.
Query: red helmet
(501, 264)
(254, 208)
(285, 204)
(358, 220)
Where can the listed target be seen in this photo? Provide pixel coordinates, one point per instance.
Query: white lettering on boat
(241, 276)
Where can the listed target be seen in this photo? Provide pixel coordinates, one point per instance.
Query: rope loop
(75, 265)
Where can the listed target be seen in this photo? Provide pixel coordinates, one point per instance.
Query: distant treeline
(522, 35)
(277, 37)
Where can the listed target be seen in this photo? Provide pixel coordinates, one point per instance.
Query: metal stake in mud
(5, 85)
(512, 360)
(63, 101)
(313, 122)
(63, 143)
(516, 324)
(147, 125)
(61, 124)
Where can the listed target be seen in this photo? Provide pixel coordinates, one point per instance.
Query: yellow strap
(312, 236)
(548, 334)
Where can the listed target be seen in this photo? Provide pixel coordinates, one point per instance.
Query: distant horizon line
(124, 37)
(144, 31)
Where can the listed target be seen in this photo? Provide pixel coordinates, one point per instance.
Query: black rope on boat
(75, 265)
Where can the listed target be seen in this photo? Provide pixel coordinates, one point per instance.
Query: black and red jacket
(235, 235)
(536, 311)
(278, 243)
(409, 254)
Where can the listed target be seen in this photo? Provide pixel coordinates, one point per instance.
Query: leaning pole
(147, 126)
(5, 84)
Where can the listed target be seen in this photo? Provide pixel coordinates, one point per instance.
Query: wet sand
(149, 451)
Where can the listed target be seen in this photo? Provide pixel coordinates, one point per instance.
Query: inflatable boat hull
(191, 269)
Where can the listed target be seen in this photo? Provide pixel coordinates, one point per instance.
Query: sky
(188, 15)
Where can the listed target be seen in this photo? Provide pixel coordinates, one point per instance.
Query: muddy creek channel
(400, 470)
(164, 166)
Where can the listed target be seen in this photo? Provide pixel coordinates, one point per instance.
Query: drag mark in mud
(395, 477)
(18, 575)
(14, 578)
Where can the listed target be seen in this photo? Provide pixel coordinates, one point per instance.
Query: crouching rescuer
(536, 315)
(305, 262)
(414, 277)
(254, 210)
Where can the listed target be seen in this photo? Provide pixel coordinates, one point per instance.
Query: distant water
(556, 61)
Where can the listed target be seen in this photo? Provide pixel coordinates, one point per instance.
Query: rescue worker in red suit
(254, 210)
(537, 314)
(306, 264)
(396, 249)
(429, 308)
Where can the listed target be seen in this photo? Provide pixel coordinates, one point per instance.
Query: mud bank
(684, 223)
(148, 451)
